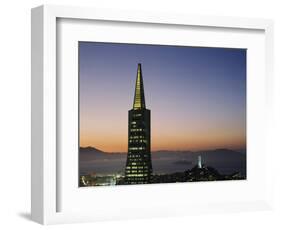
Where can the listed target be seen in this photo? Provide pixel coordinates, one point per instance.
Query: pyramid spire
(139, 100)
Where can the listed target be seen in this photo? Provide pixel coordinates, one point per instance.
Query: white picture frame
(45, 190)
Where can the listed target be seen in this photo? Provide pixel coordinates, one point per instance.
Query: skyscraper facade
(138, 166)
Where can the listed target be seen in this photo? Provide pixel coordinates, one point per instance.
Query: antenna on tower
(199, 162)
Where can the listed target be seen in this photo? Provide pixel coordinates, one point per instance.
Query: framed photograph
(141, 114)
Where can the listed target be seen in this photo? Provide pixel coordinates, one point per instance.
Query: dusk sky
(197, 96)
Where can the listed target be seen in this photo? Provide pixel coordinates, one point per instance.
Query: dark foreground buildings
(138, 166)
(199, 172)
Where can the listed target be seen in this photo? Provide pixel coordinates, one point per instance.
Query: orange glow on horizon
(119, 143)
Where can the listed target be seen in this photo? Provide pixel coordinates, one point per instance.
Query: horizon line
(166, 150)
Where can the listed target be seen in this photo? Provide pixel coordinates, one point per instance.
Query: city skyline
(198, 93)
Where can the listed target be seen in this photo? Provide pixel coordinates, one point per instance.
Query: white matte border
(112, 199)
(47, 197)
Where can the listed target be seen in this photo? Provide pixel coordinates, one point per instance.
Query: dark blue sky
(197, 95)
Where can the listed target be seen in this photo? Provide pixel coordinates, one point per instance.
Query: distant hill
(224, 160)
(207, 155)
(224, 155)
(92, 153)
(210, 154)
(90, 149)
